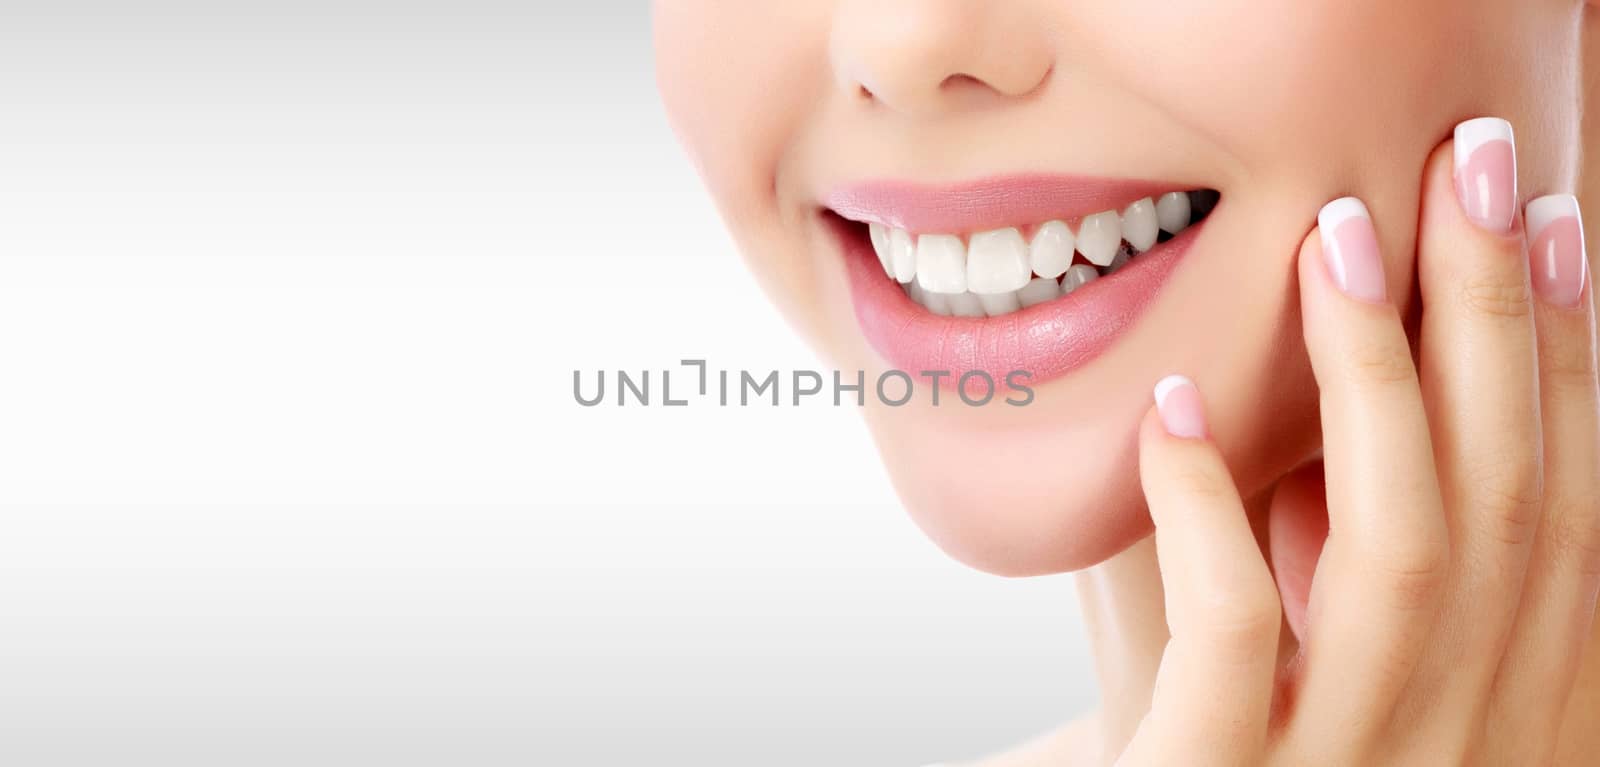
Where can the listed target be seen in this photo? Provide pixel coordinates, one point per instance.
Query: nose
(925, 57)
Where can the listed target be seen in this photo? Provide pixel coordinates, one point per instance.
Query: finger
(1375, 593)
(1478, 363)
(1222, 608)
(1558, 601)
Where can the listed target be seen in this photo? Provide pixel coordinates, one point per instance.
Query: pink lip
(1046, 341)
(987, 204)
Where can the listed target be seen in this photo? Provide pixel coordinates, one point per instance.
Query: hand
(1457, 586)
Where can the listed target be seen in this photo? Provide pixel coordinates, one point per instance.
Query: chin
(984, 497)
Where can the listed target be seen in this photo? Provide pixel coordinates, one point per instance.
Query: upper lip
(985, 204)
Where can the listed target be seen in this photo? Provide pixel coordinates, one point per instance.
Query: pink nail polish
(1486, 172)
(1559, 263)
(1178, 403)
(1350, 248)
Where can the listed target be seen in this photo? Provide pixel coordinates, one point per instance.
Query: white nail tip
(1332, 216)
(1473, 134)
(1168, 385)
(1543, 212)
(1339, 211)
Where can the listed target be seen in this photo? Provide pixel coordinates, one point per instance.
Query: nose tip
(922, 58)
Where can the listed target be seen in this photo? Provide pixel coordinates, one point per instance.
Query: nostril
(974, 90)
(954, 82)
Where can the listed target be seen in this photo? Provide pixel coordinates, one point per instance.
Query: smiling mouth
(1000, 271)
(1036, 274)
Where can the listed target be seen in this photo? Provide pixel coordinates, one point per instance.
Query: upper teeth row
(1002, 261)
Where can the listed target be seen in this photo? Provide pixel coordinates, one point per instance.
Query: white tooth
(997, 262)
(965, 305)
(1099, 236)
(1139, 225)
(1051, 251)
(1077, 277)
(941, 263)
(903, 255)
(996, 304)
(880, 245)
(937, 303)
(1172, 212)
(1038, 291)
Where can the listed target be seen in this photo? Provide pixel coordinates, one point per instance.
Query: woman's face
(970, 126)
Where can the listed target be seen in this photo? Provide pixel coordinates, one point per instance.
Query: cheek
(1286, 88)
(737, 79)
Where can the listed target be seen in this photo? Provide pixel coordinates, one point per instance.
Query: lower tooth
(916, 292)
(996, 304)
(1038, 291)
(937, 303)
(1078, 276)
(965, 305)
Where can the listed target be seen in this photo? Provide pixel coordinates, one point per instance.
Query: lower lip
(1046, 341)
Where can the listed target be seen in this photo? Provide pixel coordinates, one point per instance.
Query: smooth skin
(1451, 604)
(1450, 610)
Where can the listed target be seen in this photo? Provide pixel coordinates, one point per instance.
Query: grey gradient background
(290, 472)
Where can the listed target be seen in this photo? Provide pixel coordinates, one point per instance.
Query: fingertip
(1351, 254)
(1180, 407)
(1558, 260)
(1484, 173)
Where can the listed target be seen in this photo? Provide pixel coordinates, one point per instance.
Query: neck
(1125, 615)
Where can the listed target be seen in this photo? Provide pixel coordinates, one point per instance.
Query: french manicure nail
(1350, 248)
(1559, 263)
(1486, 172)
(1181, 410)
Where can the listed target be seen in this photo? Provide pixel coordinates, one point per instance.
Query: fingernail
(1560, 264)
(1350, 247)
(1178, 403)
(1486, 172)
